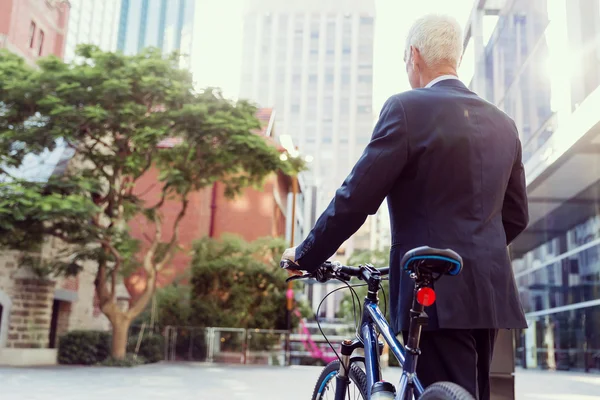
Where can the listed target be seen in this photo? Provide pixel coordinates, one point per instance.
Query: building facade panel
(541, 66)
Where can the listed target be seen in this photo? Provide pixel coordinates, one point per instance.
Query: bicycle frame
(409, 386)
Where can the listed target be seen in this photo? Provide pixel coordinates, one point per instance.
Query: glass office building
(539, 61)
(92, 22)
(166, 24)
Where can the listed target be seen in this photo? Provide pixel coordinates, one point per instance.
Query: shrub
(151, 349)
(83, 347)
(129, 361)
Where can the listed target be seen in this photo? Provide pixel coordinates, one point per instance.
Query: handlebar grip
(352, 271)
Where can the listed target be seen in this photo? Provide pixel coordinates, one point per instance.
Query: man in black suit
(450, 166)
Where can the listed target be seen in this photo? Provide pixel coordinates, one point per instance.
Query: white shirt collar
(439, 79)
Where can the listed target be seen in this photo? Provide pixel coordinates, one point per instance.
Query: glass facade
(541, 62)
(559, 284)
(92, 22)
(166, 24)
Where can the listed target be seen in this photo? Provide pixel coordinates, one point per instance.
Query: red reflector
(426, 296)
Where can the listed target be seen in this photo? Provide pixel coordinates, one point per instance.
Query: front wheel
(326, 384)
(446, 391)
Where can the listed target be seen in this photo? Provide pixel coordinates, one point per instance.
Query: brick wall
(15, 23)
(252, 215)
(249, 215)
(31, 313)
(27, 319)
(194, 226)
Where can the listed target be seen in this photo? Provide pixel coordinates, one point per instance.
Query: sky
(221, 21)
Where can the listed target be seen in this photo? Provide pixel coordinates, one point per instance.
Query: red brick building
(253, 214)
(34, 28)
(34, 312)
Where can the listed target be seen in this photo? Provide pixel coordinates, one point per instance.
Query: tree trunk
(120, 326)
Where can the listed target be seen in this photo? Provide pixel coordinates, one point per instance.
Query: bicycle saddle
(439, 261)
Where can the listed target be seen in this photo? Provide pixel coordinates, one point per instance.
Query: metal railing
(226, 345)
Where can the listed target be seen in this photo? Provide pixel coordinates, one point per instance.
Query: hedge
(93, 348)
(84, 347)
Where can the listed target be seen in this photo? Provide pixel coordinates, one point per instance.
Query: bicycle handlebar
(329, 270)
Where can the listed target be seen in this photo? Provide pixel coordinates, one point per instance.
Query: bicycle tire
(446, 391)
(356, 375)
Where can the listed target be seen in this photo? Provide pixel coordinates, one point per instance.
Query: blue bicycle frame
(409, 387)
(408, 381)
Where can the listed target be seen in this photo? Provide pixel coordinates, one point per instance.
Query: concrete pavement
(187, 381)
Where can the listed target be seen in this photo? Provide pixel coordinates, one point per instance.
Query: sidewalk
(193, 381)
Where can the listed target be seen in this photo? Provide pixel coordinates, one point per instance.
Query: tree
(238, 284)
(110, 112)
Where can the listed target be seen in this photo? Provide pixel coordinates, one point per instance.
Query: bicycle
(425, 265)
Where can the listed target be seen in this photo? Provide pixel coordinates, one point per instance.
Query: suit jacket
(450, 166)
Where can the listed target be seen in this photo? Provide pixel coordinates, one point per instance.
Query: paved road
(215, 382)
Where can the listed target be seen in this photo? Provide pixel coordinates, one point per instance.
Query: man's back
(450, 166)
(451, 193)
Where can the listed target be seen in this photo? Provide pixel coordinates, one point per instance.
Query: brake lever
(296, 277)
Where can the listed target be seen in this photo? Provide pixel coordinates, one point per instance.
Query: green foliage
(172, 307)
(83, 347)
(111, 111)
(130, 360)
(238, 284)
(152, 348)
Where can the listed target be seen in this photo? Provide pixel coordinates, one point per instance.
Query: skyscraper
(92, 22)
(166, 24)
(313, 62)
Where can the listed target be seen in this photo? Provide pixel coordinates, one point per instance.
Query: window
(40, 43)
(366, 20)
(363, 109)
(31, 34)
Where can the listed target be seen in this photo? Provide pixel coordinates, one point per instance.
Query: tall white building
(92, 22)
(313, 62)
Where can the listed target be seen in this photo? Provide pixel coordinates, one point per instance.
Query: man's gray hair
(439, 39)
